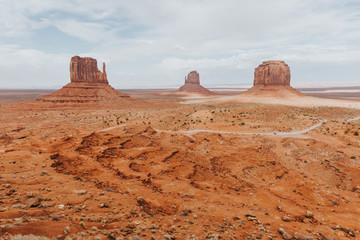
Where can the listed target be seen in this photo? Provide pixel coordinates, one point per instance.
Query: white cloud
(13, 56)
(154, 40)
(87, 31)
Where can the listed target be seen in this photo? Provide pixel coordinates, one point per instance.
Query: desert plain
(175, 167)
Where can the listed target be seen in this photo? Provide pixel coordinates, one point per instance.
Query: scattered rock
(33, 202)
(348, 231)
(285, 234)
(299, 236)
(67, 230)
(30, 194)
(185, 213)
(81, 192)
(309, 214)
(103, 205)
(10, 192)
(168, 237)
(286, 218)
(251, 217)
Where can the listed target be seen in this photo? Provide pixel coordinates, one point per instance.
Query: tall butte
(86, 70)
(192, 85)
(87, 85)
(272, 79)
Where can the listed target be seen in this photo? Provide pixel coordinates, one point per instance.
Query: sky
(155, 43)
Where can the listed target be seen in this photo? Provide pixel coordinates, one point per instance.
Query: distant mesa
(192, 85)
(272, 79)
(87, 85)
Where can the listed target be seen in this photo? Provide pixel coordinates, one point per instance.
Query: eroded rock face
(192, 78)
(88, 85)
(86, 70)
(192, 84)
(272, 73)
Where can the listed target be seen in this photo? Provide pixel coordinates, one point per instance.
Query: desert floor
(147, 172)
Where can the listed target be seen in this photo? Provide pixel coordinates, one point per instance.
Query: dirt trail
(247, 133)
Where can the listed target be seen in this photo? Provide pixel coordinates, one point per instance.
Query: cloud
(154, 40)
(87, 31)
(14, 56)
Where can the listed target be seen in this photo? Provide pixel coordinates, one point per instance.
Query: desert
(148, 166)
(102, 137)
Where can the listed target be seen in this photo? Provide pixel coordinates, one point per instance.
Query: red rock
(285, 234)
(33, 202)
(272, 80)
(192, 78)
(272, 73)
(88, 85)
(192, 84)
(86, 70)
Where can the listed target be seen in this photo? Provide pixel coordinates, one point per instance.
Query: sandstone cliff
(86, 70)
(272, 73)
(272, 80)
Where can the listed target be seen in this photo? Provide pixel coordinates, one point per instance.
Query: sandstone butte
(272, 73)
(192, 84)
(87, 85)
(272, 79)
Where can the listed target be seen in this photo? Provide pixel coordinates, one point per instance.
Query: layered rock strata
(272, 73)
(86, 70)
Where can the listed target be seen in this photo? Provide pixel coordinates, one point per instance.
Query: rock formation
(272, 80)
(192, 84)
(272, 73)
(193, 78)
(88, 85)
(86, 70)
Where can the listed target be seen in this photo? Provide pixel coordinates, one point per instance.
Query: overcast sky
(155, 43)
